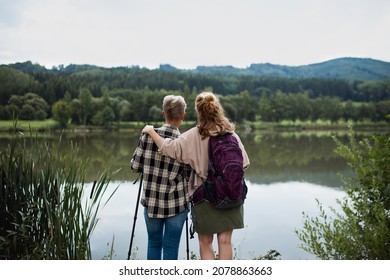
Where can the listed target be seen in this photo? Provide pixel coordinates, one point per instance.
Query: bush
(362, 230)
(5, 113)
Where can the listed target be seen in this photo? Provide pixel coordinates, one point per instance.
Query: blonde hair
(174, 106)
(211, 115)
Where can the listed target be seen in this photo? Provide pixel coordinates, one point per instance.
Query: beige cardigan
(189, 148)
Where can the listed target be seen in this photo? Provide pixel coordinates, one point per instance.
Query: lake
(288, 172)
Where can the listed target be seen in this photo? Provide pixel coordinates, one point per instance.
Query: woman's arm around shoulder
(157, 139)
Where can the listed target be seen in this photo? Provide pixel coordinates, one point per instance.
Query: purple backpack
(225, 185)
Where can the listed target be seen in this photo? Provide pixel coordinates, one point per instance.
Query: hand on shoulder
(147, 129)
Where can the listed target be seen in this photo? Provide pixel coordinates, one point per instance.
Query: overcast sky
(187, 33)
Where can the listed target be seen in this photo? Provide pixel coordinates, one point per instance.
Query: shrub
(362, 230)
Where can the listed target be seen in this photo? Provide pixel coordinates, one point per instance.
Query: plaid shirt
(165, 180)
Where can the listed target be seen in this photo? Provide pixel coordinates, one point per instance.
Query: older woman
(164, 195)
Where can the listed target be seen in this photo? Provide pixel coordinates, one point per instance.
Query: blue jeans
(164, 235)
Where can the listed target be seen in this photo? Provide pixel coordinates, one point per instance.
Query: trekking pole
(135, 215)
(188, 243)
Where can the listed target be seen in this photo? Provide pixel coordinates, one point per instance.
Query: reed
(45, 210)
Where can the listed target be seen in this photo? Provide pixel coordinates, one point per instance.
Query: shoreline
(247, 127)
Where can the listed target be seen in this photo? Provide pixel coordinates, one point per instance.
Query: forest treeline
(91, 95)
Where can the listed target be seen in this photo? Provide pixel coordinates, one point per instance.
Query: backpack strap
(210, 163)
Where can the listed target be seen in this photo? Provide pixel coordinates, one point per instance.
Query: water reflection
(275, 157)
(272, 213)
(294, 157)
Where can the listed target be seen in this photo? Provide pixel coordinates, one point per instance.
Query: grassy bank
(319, 125)
(48, 124)
(52, 125)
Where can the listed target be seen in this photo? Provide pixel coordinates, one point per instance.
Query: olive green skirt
(210, 220)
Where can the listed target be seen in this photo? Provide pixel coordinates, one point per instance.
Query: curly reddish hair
(211, 115)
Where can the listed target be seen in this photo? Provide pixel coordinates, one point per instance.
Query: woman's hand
(147, 129)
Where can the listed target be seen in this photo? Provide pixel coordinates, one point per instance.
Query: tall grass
(45, 211)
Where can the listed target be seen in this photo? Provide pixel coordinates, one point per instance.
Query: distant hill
(341, 68)
(348, 68)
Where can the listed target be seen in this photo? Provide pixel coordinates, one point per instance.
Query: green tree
(230, 111)
(245, 106)
(249, 105)
(39, 104)
(125, 112)
(76, 111)
(29, 106)
(155, 113)
(86, 105)
(362, 230)
(14, 82)
(67, 97)
(281, 107)
(265, 107)
(27, 112)
(382, 109)
(5, 113)
(301, 106)
(367, 111)
(350, 111)
(104, 117)
(61, 112)
(331, 109)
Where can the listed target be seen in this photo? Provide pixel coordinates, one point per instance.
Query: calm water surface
(288, 172)
(272, 213)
